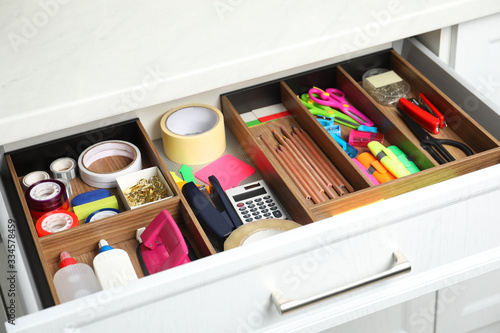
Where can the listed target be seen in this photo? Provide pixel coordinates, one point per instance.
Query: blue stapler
(215, 214)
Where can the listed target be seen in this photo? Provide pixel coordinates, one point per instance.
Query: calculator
(255, 201)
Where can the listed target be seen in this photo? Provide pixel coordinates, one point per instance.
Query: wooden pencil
(311, 169)
(294, 159)
(317, 198)
(338, 184)
(326, 182)
(347, 186)
(306, 173)
(330, 168)
(291, 173)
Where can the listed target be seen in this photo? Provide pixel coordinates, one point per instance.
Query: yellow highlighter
(388, 159)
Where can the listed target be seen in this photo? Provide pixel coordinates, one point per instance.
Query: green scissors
(323, 110)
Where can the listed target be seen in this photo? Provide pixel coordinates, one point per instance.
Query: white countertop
(65, 63)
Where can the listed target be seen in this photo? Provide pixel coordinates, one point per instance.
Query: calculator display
(248, 195)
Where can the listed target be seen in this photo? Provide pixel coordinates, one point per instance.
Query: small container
(385, 86)
(74, 280)
(361, 139)
(130, 180)
(113, 267)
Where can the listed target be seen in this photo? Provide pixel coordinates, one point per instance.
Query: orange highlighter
(375, 168)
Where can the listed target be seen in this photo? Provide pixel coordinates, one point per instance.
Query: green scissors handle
(322, 110)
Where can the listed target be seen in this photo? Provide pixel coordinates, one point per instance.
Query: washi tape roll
(64, 167)
(34, 177)
(106, 149)
(45, 196)
(257, 230)
(193, 134)
(55, 221)
(101, 213)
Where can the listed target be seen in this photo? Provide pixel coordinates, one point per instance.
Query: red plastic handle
(421, 117)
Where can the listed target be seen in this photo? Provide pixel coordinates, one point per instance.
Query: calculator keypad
(259, 208)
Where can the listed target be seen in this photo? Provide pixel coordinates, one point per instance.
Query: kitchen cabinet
(445, 230)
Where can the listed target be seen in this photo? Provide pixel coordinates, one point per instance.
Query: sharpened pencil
(285, 147)
(329, 167)
(317, 198)
(316, 170)
(290, 171)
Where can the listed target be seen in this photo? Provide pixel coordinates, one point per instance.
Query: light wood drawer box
(347, 76)
(119, 230)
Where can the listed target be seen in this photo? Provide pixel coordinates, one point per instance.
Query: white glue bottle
(73, 279)
(113, 267)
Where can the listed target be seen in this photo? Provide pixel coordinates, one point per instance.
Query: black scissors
(432, 145)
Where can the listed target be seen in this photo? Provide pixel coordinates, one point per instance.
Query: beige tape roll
(256, 230)
(193, 134)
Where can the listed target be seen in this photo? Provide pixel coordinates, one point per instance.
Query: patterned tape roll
(55, 221)
(107, 149)
(64, 167)
(45, 196)
(193, 134)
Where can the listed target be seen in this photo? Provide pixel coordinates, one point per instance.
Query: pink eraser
(228, 170)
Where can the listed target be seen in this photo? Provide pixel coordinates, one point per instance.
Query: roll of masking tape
(193, 134)
(55, 221)
(257, 230)
(107, 149)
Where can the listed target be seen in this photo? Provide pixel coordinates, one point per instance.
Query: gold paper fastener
(145, 192)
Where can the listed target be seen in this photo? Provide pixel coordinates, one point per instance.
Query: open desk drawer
(444, 223)
(119, 230)
(346, 77)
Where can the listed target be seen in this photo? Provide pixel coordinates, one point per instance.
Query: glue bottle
(73, 279)
(113, 267)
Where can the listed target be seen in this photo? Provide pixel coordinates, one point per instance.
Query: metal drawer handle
(285, 305)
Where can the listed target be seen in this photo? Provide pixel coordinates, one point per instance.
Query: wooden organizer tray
(119, 230)
(347, 77)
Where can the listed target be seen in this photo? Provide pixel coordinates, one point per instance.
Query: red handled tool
(430, 119)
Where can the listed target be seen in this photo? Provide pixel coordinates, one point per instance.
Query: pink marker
(366, 172)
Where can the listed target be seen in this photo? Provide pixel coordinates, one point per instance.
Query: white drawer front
(443, 225)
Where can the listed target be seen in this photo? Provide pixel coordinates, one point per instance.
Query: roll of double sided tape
(107, 149)
(55, 221)
(256, 230)
(193, 134)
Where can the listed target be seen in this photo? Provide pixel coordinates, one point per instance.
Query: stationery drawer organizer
(119, 230)
(350, 187)
(265, 145)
